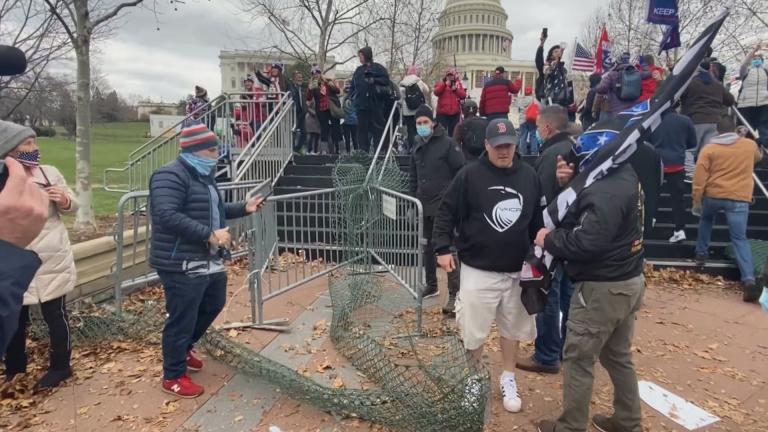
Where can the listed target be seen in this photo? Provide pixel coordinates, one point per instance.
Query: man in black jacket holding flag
(601, 242)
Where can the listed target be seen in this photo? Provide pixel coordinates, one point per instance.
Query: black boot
(59, 371)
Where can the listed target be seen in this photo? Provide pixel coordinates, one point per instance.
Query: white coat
(57, 275)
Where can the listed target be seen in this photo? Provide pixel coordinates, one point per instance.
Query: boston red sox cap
(500, 132)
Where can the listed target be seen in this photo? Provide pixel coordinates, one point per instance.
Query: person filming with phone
(552, 84)
(190, 242)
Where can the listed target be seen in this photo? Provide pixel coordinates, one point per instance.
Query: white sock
(506, 374)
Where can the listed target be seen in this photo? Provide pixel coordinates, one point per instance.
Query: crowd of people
(480, 219)
(482, 207)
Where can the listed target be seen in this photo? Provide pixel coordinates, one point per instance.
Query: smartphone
(544, 32)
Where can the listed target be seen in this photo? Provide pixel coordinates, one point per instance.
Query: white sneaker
(512, 401)
(677, 237)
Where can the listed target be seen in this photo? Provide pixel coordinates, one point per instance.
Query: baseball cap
(500, 132)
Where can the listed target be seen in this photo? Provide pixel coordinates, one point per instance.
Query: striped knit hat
(195, 137)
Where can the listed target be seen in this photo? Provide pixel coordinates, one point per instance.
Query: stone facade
(475, 33)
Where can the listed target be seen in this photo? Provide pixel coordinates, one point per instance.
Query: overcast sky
(167, 63)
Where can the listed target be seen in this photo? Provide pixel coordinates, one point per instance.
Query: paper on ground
(673, 406)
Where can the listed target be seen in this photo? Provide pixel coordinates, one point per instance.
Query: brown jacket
(724, 169)
(57, 276)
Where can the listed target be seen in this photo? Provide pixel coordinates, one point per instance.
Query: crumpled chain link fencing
(417, 382)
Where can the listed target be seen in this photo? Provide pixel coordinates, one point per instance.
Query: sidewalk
(694, 338)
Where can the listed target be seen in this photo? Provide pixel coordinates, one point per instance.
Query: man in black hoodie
(495, 205)
(601, 242)
(552, 124)
(435, 160)
(369, 90)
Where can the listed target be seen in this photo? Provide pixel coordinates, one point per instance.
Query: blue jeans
(550, 330)
(736, 213)
(192, 304)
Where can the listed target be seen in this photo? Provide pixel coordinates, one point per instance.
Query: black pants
(55, 316)
(368, 130)
(449, 122)
(757, 117)
(430, 262)
(676, 189)
(410, 124)
(300, 133)
(312, 142)
(330, 130)
(350, 137)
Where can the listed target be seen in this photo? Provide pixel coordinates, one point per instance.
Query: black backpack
(414, 98)
(630, 85)
(473, 139)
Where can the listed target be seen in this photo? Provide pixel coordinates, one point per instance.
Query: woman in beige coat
(55, 278)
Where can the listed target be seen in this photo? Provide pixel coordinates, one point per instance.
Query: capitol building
(475, 33)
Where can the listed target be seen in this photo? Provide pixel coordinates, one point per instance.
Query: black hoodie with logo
(496, 212)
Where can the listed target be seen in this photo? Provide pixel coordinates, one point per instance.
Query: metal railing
(756, 134)
(134, 218)
(267, 159)
(239, 122)
(394, 120)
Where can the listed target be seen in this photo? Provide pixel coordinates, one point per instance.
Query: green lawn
(111, 143)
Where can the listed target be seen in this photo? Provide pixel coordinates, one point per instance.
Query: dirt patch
(105, 226)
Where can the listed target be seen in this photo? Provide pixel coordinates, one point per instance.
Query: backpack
(473, 139)
(414, 98)
(629, 88)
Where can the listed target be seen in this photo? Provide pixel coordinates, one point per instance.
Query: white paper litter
(674, 407)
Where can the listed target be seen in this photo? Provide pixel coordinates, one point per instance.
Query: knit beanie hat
(413, 70)
(11, 135)
(424, 111)
(195, 137)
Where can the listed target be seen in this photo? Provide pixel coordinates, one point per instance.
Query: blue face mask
(203, 165)
(539, 139)
(424, 131)
(756, 63)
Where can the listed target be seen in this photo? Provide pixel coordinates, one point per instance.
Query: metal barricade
(133, 233)
(396, 240)
(293, 241)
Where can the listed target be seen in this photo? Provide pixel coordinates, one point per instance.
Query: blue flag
(671, 39)
(663, 12)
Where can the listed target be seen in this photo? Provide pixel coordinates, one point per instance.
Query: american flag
(583, 61)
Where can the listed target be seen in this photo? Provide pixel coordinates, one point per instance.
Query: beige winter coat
(57, 276)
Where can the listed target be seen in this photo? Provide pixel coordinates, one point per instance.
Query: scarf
(203, 165)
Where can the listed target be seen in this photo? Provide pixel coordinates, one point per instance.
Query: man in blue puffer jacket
(189, 241)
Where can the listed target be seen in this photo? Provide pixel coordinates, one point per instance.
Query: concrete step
(663, 231)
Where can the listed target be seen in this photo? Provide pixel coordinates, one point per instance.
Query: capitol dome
(476, 33)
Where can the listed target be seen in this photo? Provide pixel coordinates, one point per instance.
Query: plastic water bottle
(764, 299)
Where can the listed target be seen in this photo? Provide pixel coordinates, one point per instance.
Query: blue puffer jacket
(180, 207)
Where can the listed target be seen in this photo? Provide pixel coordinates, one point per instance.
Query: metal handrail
(261, 133)
(756, 134)
(383, 139)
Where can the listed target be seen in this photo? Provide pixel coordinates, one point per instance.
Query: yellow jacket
(724, 169)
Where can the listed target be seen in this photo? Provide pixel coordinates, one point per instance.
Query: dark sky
(166, 64)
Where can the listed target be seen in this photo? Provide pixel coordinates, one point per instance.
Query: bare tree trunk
(392, 35)
(85, 220)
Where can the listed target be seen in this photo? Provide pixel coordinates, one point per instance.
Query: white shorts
(485, 296)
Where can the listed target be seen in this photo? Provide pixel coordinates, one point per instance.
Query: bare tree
(81, 20)
(311, 31)
(27, 26)
(629, 31)
(409, 27)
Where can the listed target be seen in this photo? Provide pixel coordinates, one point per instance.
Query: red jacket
(649, 83)
(448, 99)
(497, 96)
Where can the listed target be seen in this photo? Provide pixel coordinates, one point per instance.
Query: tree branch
(113, 13)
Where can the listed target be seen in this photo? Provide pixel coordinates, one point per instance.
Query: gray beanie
(11, 135)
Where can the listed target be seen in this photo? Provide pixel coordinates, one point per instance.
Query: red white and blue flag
(582, 59)
(603, 61)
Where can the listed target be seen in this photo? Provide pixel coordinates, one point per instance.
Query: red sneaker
(193, 363)
(183, 387)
